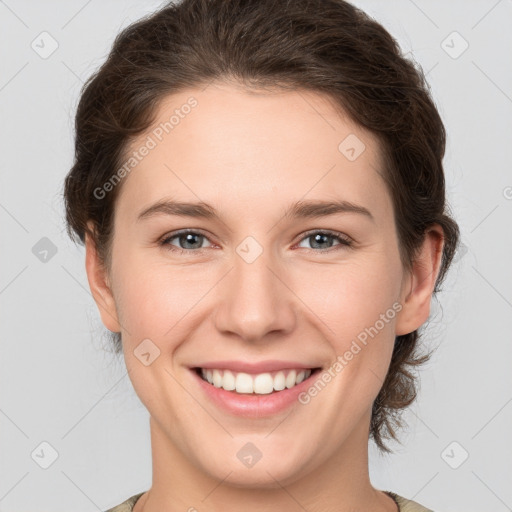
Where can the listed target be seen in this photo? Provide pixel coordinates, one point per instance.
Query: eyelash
(343, 239)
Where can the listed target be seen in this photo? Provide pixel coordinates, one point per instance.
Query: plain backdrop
(67, 403)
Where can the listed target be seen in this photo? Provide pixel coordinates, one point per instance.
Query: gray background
(61, 385)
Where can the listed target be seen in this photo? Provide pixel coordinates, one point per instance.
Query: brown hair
(325, 46)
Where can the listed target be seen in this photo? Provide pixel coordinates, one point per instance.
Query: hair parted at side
(325, 46)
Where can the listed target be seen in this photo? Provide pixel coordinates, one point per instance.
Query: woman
(260, 191)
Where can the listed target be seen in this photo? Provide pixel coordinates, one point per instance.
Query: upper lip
(254, 368)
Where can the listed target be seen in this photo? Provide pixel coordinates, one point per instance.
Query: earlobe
(100, 286)
(420, 283)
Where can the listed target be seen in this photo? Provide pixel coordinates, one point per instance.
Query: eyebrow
(301, 209)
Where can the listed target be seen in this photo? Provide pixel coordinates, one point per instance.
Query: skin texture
(250, 155)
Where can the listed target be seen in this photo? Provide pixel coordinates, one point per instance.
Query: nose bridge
(254, 301)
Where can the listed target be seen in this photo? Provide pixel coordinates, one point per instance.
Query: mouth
(267, 383)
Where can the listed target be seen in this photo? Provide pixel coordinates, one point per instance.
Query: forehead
(226, 145)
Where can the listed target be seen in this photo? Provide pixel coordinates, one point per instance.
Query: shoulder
(404, 504)
(126, 506)
(408, 505)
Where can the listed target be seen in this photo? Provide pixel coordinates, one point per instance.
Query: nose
(255, 301)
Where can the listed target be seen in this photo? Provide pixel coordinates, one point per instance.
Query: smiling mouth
(256, 384)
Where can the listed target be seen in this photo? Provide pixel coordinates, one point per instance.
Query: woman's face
(254, 284)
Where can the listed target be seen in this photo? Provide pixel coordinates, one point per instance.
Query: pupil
(189, 237)
(319, 238)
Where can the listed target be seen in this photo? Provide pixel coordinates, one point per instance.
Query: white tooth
(217, 378)
(290, 379)
(228, 382)
(279, 381)
(300, 377)
(263, 384)
(244, 383)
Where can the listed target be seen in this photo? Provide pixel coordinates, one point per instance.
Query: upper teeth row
(262, 383)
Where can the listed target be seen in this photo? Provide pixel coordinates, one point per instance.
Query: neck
(339, 484)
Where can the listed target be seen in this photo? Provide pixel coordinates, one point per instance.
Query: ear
(419, 284)
(100, 285)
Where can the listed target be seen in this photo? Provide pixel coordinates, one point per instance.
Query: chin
(270, 473)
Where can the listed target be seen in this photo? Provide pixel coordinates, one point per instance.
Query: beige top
(404, 505)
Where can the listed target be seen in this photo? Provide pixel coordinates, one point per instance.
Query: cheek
(155, 299)
(357, 305)
(351, 297)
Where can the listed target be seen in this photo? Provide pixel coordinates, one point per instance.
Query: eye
(187, 238)
(192, 241)
(320, 238)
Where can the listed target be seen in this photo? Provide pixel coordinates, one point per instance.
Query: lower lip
(253, 405)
